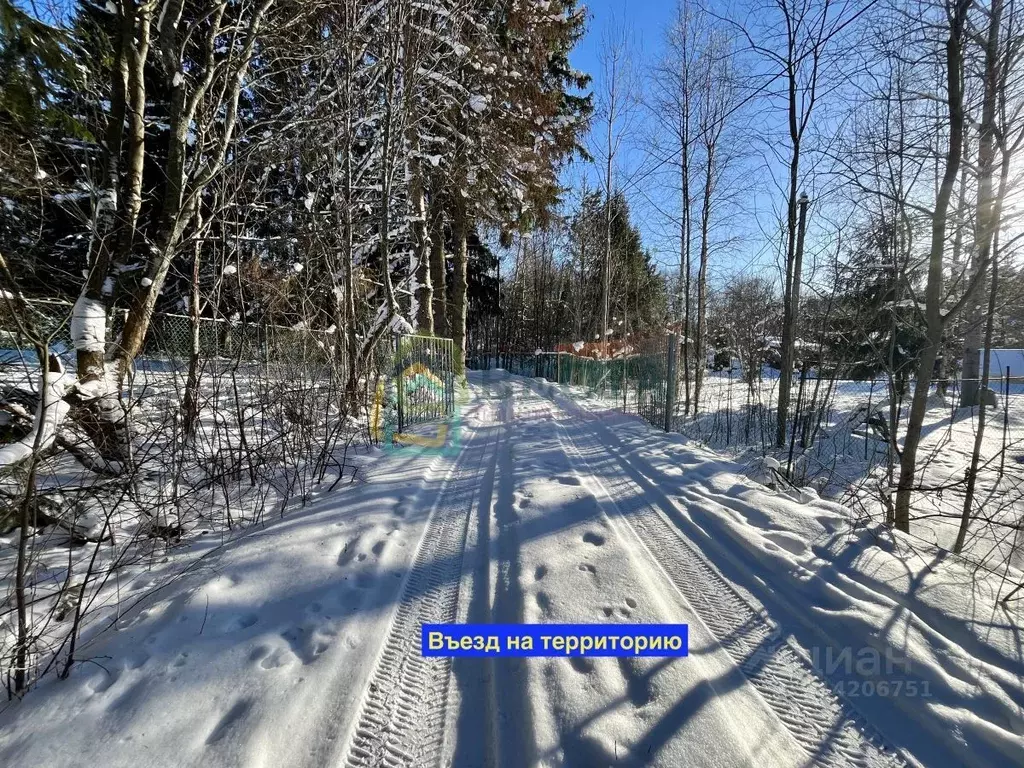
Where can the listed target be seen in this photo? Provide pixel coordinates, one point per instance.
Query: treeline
(863, 155)
(337, 167)
(336, 163)
(552, 290)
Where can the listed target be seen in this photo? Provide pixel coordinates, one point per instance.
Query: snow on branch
(50, 414)
(89, 325)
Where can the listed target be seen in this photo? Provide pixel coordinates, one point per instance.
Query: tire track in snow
(402, 717)
(493, 726)
(831, 731)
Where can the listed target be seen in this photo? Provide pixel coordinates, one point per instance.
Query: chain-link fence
(639, 380)
(843, 436)
(221, 425)
(173, 339)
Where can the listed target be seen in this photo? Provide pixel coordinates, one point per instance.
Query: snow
(399, 324)
(146, 282)
(89, 325)
(551, 508)
(847, 460)
(477, 103)
(50, 414)
(230, 269)
(90, 390)
(233, 653)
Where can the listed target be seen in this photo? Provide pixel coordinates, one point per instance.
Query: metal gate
(424, 378)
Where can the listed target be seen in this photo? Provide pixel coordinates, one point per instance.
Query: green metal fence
(642, 382)
(425, 379)
(169, 337)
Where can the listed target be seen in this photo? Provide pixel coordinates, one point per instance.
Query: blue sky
(647, 20)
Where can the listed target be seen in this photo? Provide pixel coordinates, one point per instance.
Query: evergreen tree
(876, 326)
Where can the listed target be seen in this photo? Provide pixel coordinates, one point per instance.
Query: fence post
(400, 398)
(1006, 421)
(867, 418)
(625, 388)
(670, 383)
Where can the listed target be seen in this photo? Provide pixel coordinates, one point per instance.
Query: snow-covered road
(298, 644)
(570, 533)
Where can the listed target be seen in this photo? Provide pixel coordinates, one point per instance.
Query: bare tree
(617, 109)
(1000, 137)
(935, 318)
(798, 41)
(674, 110)
(987, 210)
(718, 100)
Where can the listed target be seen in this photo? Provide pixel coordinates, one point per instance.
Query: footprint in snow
(378, 548)
(521, 501)
(348, 553)
(101, 681)
(540, 573)
(239, 623)
(544, 602)
(278, 658)
(226, 723)
(136, 659)
(588, 568)
(593, 538)
(582, 664)
(568, 480)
